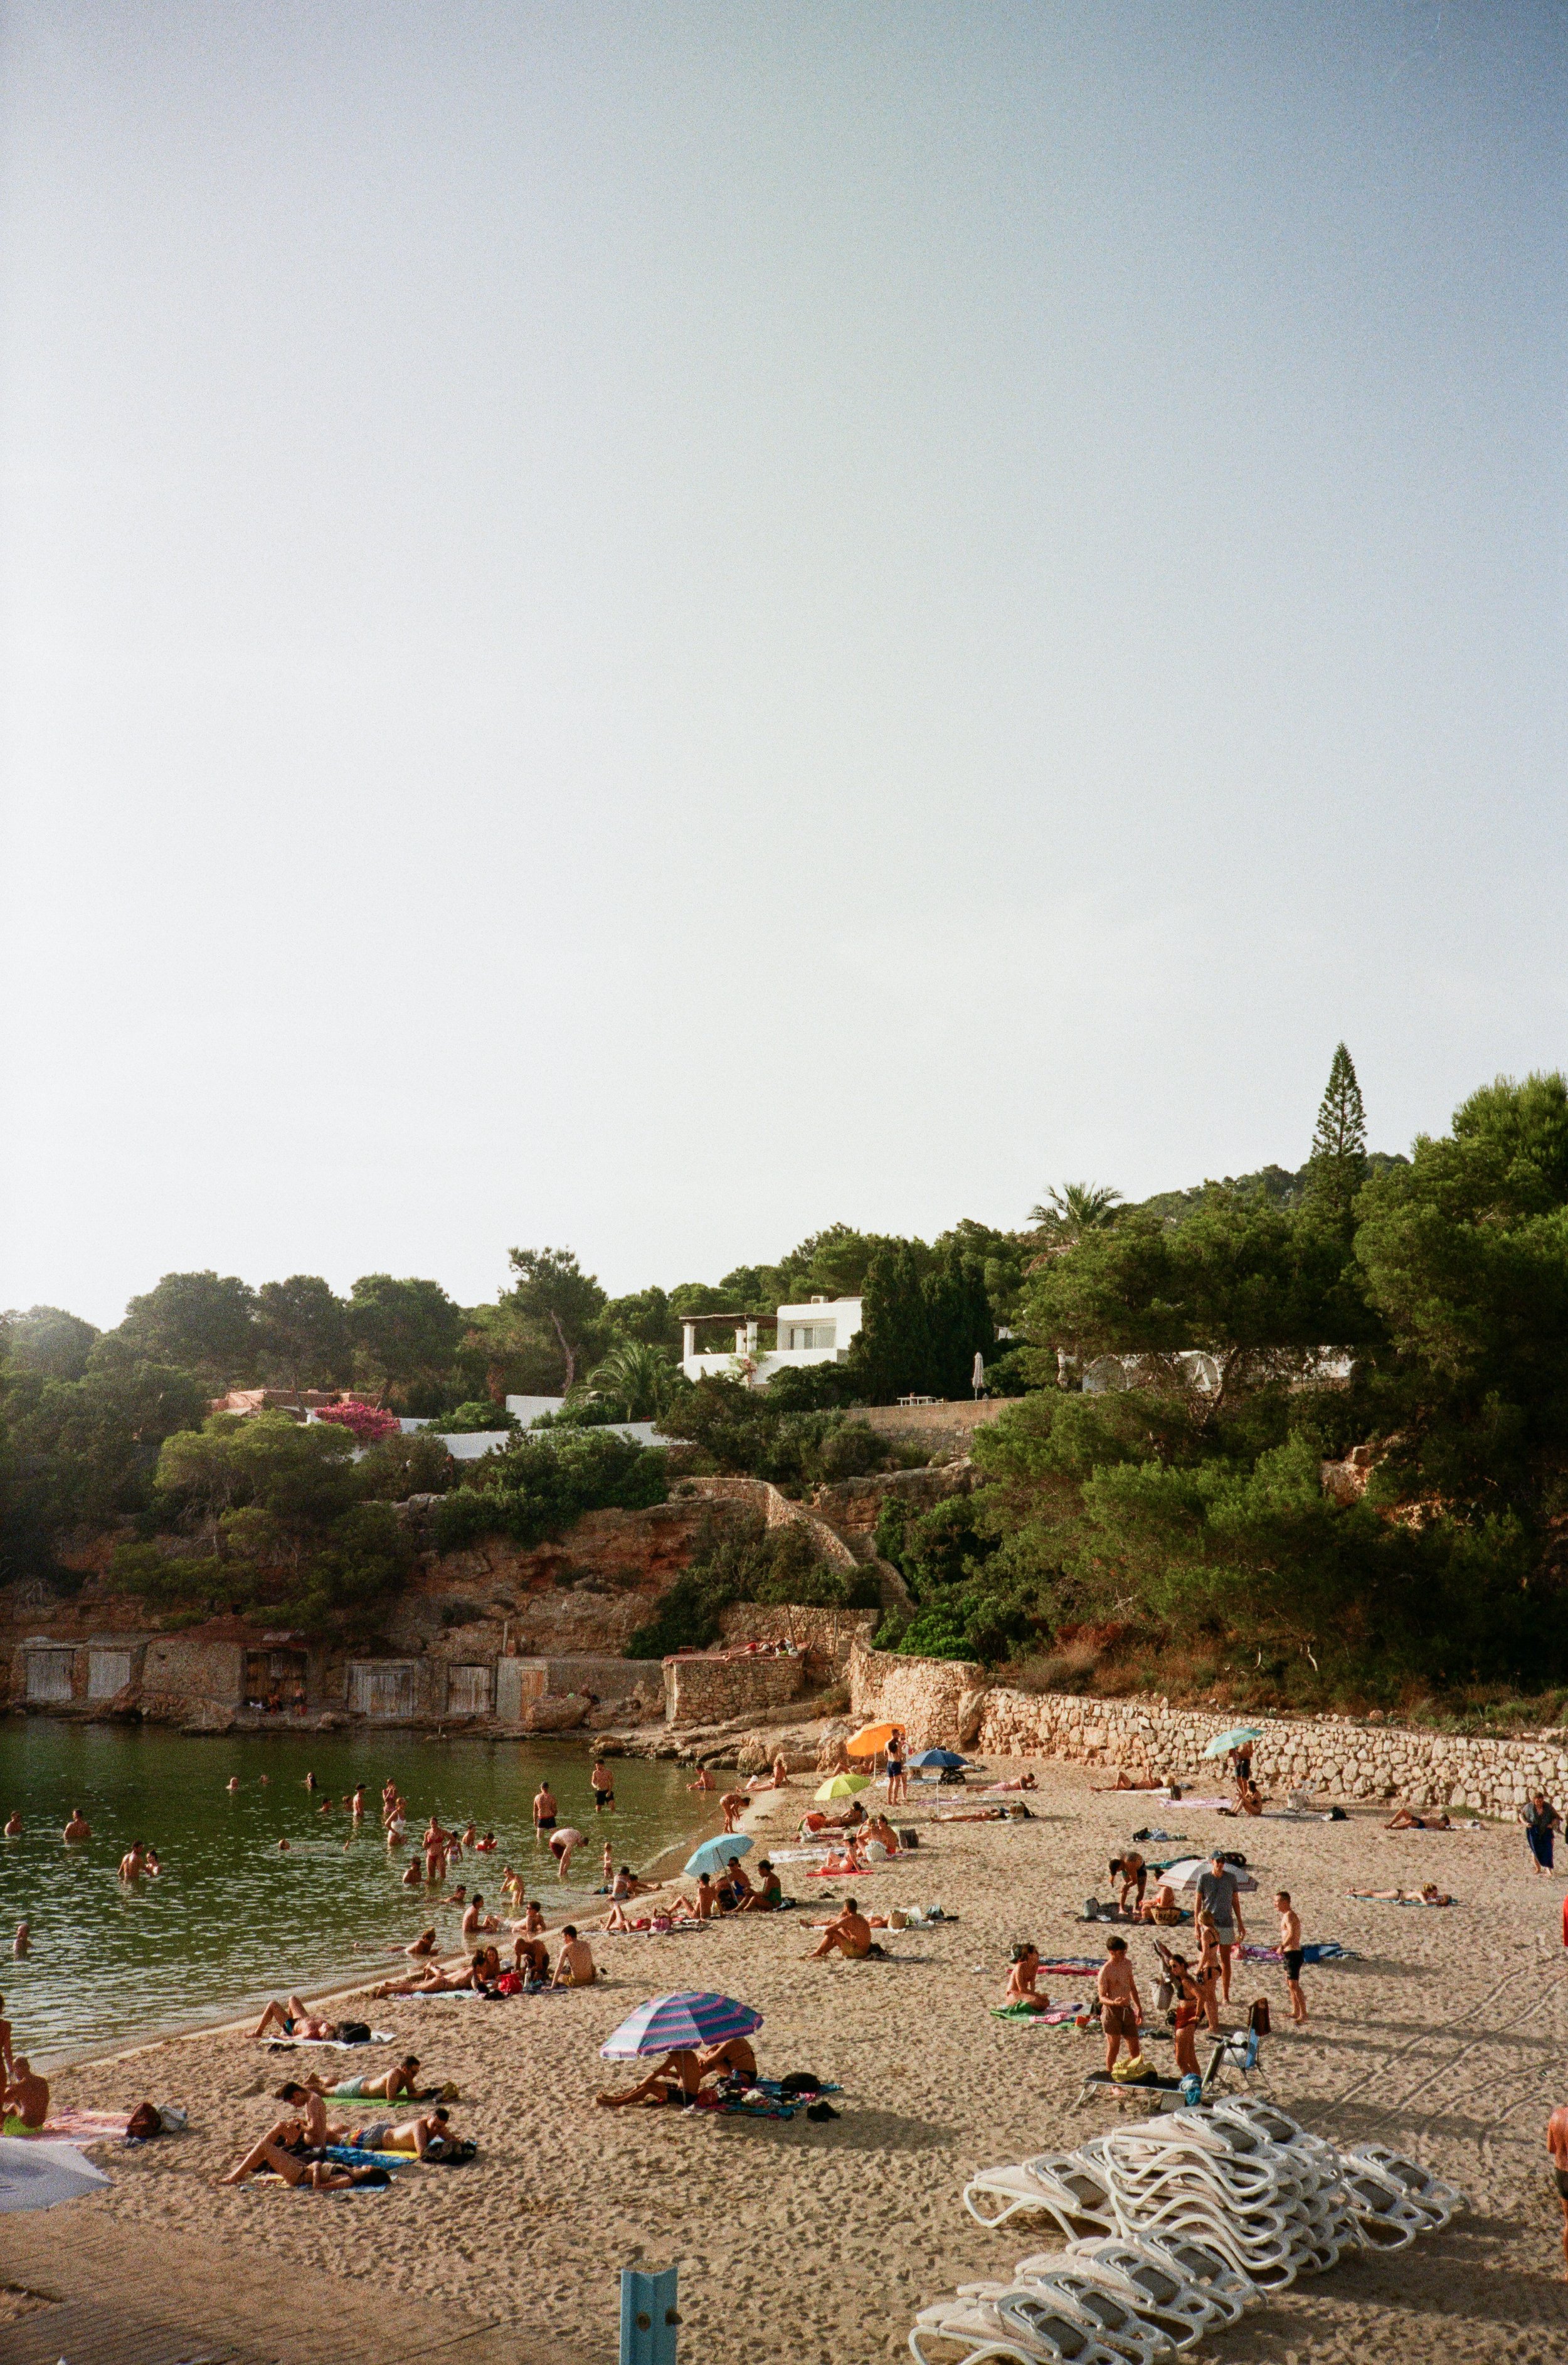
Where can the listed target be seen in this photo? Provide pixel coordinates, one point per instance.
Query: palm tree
(635, 1377)
(1077, 1208)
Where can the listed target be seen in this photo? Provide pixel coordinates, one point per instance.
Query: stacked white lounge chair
(1173, 2225)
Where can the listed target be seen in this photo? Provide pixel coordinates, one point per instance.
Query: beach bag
(354, 2032)
(144, 2121)
(1337, 1815)
(822, 2111)
(908, 1839)
(452, 2151)
(1164, 1996)
(800, 2081)
(1258, 2016)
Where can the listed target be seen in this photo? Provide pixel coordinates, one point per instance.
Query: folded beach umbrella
(948, 1758)
(36, 2175)
(714, 1855)
(668, 2024)
(843, 1785)
(1185, 1874)
(1224, 1741)
(870, 1738)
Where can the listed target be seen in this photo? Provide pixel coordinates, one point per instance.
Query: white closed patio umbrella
(36, 2175)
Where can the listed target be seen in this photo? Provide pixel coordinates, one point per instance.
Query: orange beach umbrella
(870, 1738)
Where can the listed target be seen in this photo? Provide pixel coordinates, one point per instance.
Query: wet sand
(818, 2242)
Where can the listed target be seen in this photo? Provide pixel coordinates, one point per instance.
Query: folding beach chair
(1243, 2052)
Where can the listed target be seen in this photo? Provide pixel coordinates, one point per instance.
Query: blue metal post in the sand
(648, 2317)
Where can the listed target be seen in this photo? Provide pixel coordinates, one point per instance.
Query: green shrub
(533, 1489)
(749, 1562)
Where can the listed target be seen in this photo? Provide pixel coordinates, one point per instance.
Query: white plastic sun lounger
(1437, 2199)
(1148, 2279)
(978, 2330)
(1062, 2186)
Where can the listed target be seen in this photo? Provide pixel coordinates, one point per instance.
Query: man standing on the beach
(1291, 1955)
(1121, 2006)
(1557, 2145)
(1219, 1898)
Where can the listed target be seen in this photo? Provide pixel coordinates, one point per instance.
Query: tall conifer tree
(1338, 1166)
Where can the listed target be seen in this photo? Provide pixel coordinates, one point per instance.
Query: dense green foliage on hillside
(1180, 1526)
(1173, 1529)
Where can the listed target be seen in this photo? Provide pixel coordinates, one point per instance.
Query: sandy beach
(817, 2243)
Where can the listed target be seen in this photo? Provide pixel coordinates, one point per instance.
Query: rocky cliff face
(584, 1593)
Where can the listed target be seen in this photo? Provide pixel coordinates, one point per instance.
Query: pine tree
(1338, 1166)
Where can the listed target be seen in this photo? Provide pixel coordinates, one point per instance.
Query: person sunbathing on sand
(1430, 1895)
(848, 1933)
(387, 2087)
(279, 2151)
(1021, 1977)
(676, 2080)
(575, 1961)
(768, 1896)
(700, 1908)
(27, 2097)
(1122, 1783)
(415, 2136)
(840, 1862)
(308, 2101)
(530, 1959)
(1402, 1820)
(294, 2019)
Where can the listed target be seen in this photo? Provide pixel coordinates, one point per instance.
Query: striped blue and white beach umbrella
(670, 2023)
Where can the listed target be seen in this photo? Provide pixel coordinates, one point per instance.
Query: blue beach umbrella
(948, 1758)
(673, 2023)
(1223, 1743)
(714, 1855)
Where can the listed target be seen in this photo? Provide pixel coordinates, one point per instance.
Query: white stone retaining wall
(949, 1704)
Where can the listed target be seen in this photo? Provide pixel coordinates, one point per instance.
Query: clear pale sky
(648, 626)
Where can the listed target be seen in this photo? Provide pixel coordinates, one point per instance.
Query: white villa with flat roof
(817, 1332)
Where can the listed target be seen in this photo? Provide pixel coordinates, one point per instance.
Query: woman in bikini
(1207, 1972)
(1186, 2010)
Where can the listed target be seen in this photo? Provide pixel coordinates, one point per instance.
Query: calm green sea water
(231, 1920)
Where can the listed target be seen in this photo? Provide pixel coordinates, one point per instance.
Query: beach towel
(73, 2124)
(1201, 1805)
(1057, 2016)
(327, 2043)
(764, 2100)
(1327, 1950)
(1074, 1967)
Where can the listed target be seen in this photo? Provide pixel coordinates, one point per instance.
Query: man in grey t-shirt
(1219, 1900)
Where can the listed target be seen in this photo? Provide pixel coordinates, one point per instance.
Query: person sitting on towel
(1021, 1976)
(676, 2080)
(768, 1896)
(848, 1933)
